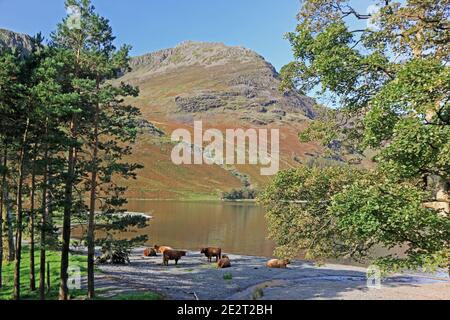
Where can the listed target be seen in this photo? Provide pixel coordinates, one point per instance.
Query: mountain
(19, 41)
(217, 79)
(225, 87)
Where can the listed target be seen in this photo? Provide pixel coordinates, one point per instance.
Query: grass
(258, 293)
(208, 266)
(228, 276)
(138, 296)
(54, 258)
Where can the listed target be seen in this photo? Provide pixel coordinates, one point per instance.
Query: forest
(65, 132)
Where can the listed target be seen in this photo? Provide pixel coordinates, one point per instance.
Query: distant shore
(195, 200)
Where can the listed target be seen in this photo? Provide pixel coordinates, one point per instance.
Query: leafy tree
(241, 194)
(390, 80)
(390, 214)
(336, 212)
(297, 204)
(389, 83)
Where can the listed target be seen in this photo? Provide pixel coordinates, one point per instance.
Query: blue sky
(150, 25)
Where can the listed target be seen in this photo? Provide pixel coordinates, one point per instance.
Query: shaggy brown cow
(172, 255)
(212, 252)
(278, 264)
(161, 249)
(150, 252)
(224, 262)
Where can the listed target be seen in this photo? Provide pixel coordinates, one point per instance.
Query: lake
(237, 227)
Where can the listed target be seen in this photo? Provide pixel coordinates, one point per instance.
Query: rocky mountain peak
(14, 40)
(215, 79)
(192, 53)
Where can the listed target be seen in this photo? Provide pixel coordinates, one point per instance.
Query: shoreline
(195, 278)
(218, 200)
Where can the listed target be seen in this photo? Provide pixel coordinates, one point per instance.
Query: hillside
(227, 88)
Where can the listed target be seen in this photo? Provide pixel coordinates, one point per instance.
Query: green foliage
(64, 126)
(228, 276)
(145, 296)
(297, 204)
(390, 84)
(378, 94)
(115, 252)
(240, 194)
(339, 212)
(391, 215)
(257, 294)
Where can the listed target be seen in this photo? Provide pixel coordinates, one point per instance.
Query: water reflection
(238, 228)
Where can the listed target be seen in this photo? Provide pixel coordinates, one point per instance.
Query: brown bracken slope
(225, 87)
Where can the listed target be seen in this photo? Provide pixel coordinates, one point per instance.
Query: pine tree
(106, 121)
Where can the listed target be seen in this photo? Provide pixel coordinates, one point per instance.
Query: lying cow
(172, 255)
(150, 252)
(223, 263)
(278, 264)
(212, 252)
(161, 249)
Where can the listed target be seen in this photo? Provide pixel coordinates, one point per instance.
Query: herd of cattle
(223, 261)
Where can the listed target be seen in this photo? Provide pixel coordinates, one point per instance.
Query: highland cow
(278, 264)
(150, 252)
(212, 252)
(161, 249)
(172, 255)
(224, 262)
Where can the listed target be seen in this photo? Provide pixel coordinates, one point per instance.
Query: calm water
(238, 228)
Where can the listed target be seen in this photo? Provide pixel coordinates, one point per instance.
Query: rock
(279, 112)
(269, 103)
(149, 128)
(192, 53)
(256, 121)
(244, 76)
(13, 40)
(200, 103)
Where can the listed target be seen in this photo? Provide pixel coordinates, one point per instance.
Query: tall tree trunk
(8, 225)
(91, 224)
(44, 211)
(19, 226)
(32, 223)
(68, 199)
(4, 162)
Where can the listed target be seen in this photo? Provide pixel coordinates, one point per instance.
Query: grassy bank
(54, 258)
